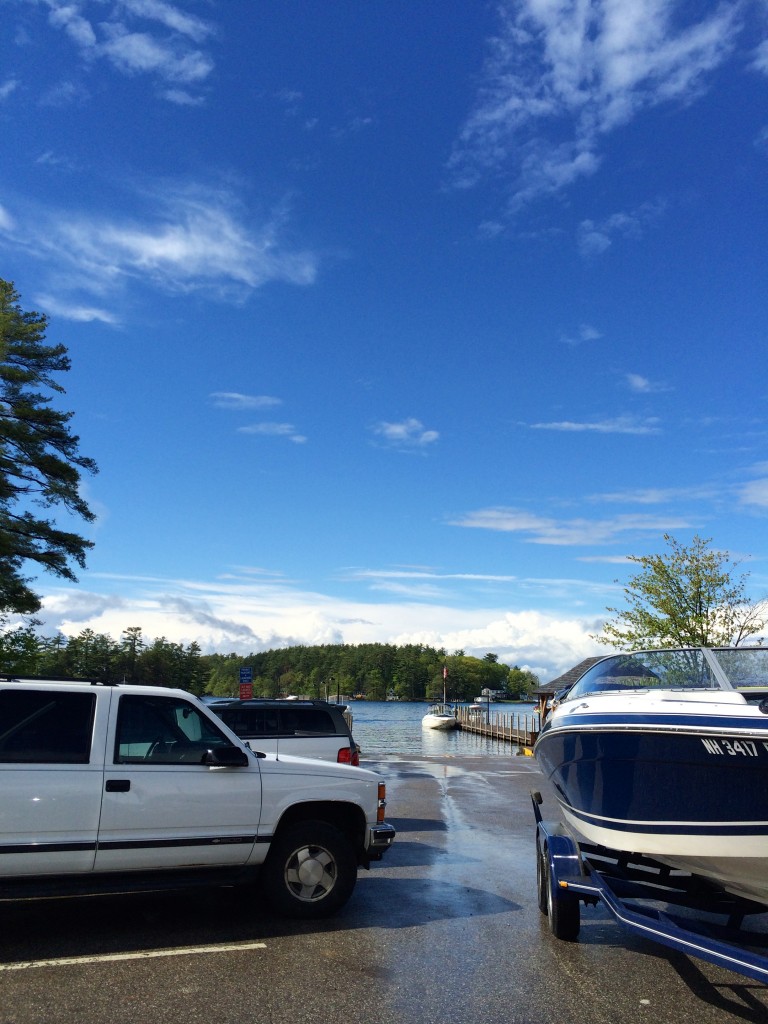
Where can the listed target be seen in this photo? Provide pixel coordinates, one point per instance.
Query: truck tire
(310, 871)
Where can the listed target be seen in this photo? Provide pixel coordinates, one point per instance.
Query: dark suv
(306, 728)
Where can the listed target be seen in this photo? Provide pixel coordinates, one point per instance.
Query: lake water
(394, 727)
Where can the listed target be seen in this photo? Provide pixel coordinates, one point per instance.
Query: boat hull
(436, 722)
(689, 789)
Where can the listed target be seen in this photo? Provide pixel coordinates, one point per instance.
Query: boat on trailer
(647, 898)
(664, 754)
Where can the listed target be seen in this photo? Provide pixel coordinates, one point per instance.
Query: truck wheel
(562, 909)
(310, 871)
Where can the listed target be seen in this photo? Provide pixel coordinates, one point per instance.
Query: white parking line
(68, 961)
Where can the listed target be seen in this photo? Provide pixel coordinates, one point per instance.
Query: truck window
(307, 722)
(45, 727)
(165, 730)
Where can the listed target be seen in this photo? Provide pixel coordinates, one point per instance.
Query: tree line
(373, 671)
(376, 671)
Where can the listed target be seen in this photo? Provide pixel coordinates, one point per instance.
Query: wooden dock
(515, 727)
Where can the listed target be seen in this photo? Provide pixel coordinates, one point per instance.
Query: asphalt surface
(445, 929)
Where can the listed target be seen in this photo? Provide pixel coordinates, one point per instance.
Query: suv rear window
(45, 727)
(276, 722)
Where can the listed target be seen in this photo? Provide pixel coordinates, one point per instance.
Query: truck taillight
(382, 801)
(349, 756)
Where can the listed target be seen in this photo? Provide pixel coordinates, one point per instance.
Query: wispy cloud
(657, 495)
(188, 238)
(562, 75)
(239, 402)
(538, 529)
(64, 93)
(73, 311)
(139, 37)
(407, 434)
(617, 425)
(426, 586)
(595, 237)
(755, 493)
(7, 87)
(643, 385)
(171, 16)
(235, 401)
(426, 574)
(274, 430)
(584, 333)
(760, 59)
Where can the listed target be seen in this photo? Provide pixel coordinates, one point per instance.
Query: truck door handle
(118, 785)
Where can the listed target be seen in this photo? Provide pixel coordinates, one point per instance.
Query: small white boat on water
(440, 716)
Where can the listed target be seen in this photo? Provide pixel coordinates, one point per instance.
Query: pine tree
(40, 464)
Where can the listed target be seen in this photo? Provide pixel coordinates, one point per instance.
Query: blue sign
(246, 675)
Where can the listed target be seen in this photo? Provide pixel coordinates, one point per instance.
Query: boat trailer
(642, 895)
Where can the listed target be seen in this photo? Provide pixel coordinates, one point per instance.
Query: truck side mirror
(230, 757)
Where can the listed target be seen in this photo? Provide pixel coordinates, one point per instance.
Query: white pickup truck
(126, 788)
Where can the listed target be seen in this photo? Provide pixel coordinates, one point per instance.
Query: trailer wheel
(541, 879)
(562, 908)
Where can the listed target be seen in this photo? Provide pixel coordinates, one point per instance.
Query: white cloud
(562, 75)
(182, 98)
(755, 493)
(407, 434)
(68, 17)
(8, 86)
(546, 530)
(760, 62)
(643, 385)
(51, 159)
(617, 425)
(274, 430)
(547, 645)
(139, 37)
(428, 574)
(657, 495)
(193, 239)
(170, 16)
(78, 313)
(235, 400)
(585, 332)
(595, 238)
(244, 615)
(138, 52)
(6, 220)
(63, 94)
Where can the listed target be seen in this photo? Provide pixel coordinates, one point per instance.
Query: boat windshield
(691, 668)
(745, 667)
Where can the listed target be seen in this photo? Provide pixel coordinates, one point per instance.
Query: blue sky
(398, 322)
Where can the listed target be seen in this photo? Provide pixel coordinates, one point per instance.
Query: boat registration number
(734, 748)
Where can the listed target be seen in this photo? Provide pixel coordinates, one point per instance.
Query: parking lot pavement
(446, 929)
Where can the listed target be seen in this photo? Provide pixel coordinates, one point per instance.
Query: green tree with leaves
(40, 462)
(19, 648)
(684, 597)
